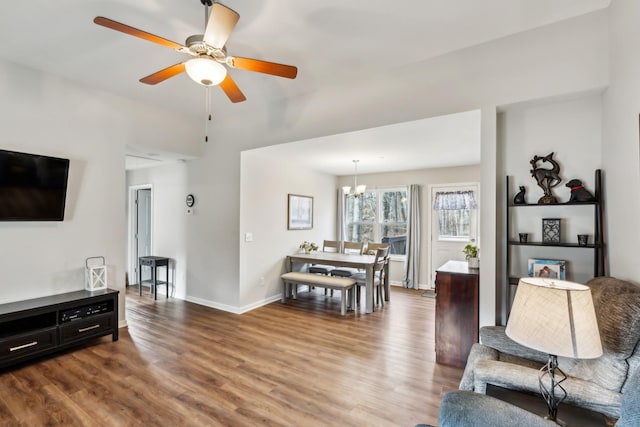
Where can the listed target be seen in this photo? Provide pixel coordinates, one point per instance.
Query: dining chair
(349, 248)
(327, 246)
(381, 259)
(373, 246)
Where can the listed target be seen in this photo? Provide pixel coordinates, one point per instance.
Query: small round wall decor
(190, 200)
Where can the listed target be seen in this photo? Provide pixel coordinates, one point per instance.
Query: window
(378, 216)
(454, 224)
(454, 214)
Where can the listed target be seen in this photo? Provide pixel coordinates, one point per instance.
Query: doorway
(452, 226)
(140, 229)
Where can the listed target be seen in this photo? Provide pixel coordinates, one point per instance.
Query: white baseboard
(230, 308)
(248, 307)
(420, 285)
(258, 304)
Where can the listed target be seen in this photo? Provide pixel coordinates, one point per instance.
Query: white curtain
(454, 200)
(341, 220)
(412, 260)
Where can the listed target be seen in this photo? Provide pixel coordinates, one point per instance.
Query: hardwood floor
(295, 364)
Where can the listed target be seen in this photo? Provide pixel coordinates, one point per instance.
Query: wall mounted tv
(32, 187)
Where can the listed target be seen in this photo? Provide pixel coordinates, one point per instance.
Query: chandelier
(357, 189)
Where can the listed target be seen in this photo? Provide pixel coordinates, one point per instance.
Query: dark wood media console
(35, 327)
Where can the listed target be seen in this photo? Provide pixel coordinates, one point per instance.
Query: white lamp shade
(205, 70)
(556, 317)
(360, 189)
(346, 189)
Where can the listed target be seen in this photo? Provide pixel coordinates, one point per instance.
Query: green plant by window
(470, 251)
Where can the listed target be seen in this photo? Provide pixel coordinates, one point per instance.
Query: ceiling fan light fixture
(205, 70)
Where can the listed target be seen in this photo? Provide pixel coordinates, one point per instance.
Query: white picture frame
(549, 268)
(300, 212)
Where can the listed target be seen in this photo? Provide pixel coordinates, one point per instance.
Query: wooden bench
(343, 284)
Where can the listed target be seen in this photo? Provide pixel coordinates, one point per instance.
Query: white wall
(169, 210)
(620, 147)
(572, 129)
(488, 294)
(43, 114)
(263, 212)
(424, 178)
(212, 236)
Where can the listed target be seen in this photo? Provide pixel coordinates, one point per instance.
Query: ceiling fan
(209, 58)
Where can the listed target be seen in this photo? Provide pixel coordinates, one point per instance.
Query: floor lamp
(555, 317)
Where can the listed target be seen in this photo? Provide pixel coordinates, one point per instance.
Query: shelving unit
(597, 246)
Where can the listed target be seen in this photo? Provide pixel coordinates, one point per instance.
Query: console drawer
(29, 343)
(97, 325)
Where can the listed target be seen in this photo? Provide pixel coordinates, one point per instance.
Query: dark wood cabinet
(36, 327)
(456, 312)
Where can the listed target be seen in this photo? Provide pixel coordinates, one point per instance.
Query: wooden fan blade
(232, 90)
(222, 20)
(164, 74)
(280, 70)
(114, 25)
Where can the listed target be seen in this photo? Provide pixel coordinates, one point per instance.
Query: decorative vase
(473, 262)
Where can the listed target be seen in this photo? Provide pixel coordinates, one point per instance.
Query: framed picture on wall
(300, 212)
(550, 268)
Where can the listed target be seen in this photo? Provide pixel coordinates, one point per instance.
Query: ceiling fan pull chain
(208, 102)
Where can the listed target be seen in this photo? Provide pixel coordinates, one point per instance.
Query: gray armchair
(595, 384)
(467, 409)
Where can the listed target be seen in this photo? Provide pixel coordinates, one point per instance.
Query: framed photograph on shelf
(551, 268)
(550, 230)
(300, 212)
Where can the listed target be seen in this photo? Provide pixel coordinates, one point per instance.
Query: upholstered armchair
(596, 384)
(465, 409)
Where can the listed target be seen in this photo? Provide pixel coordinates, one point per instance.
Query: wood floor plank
(6, 416)
(300, 363)
(60, 409)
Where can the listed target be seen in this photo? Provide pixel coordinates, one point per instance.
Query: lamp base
(553, 393)
(558, 421)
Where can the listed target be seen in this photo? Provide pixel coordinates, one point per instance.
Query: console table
(456, 312)
(39, 326)
(153, 262)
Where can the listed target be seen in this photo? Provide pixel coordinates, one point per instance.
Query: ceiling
(451, 140)
(334, 43)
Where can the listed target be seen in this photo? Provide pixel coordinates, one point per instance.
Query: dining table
(336, 259)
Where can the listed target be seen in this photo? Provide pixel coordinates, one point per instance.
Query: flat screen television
(32, 187)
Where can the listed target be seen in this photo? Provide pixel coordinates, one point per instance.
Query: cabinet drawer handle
(88, 328)
(20, 347)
